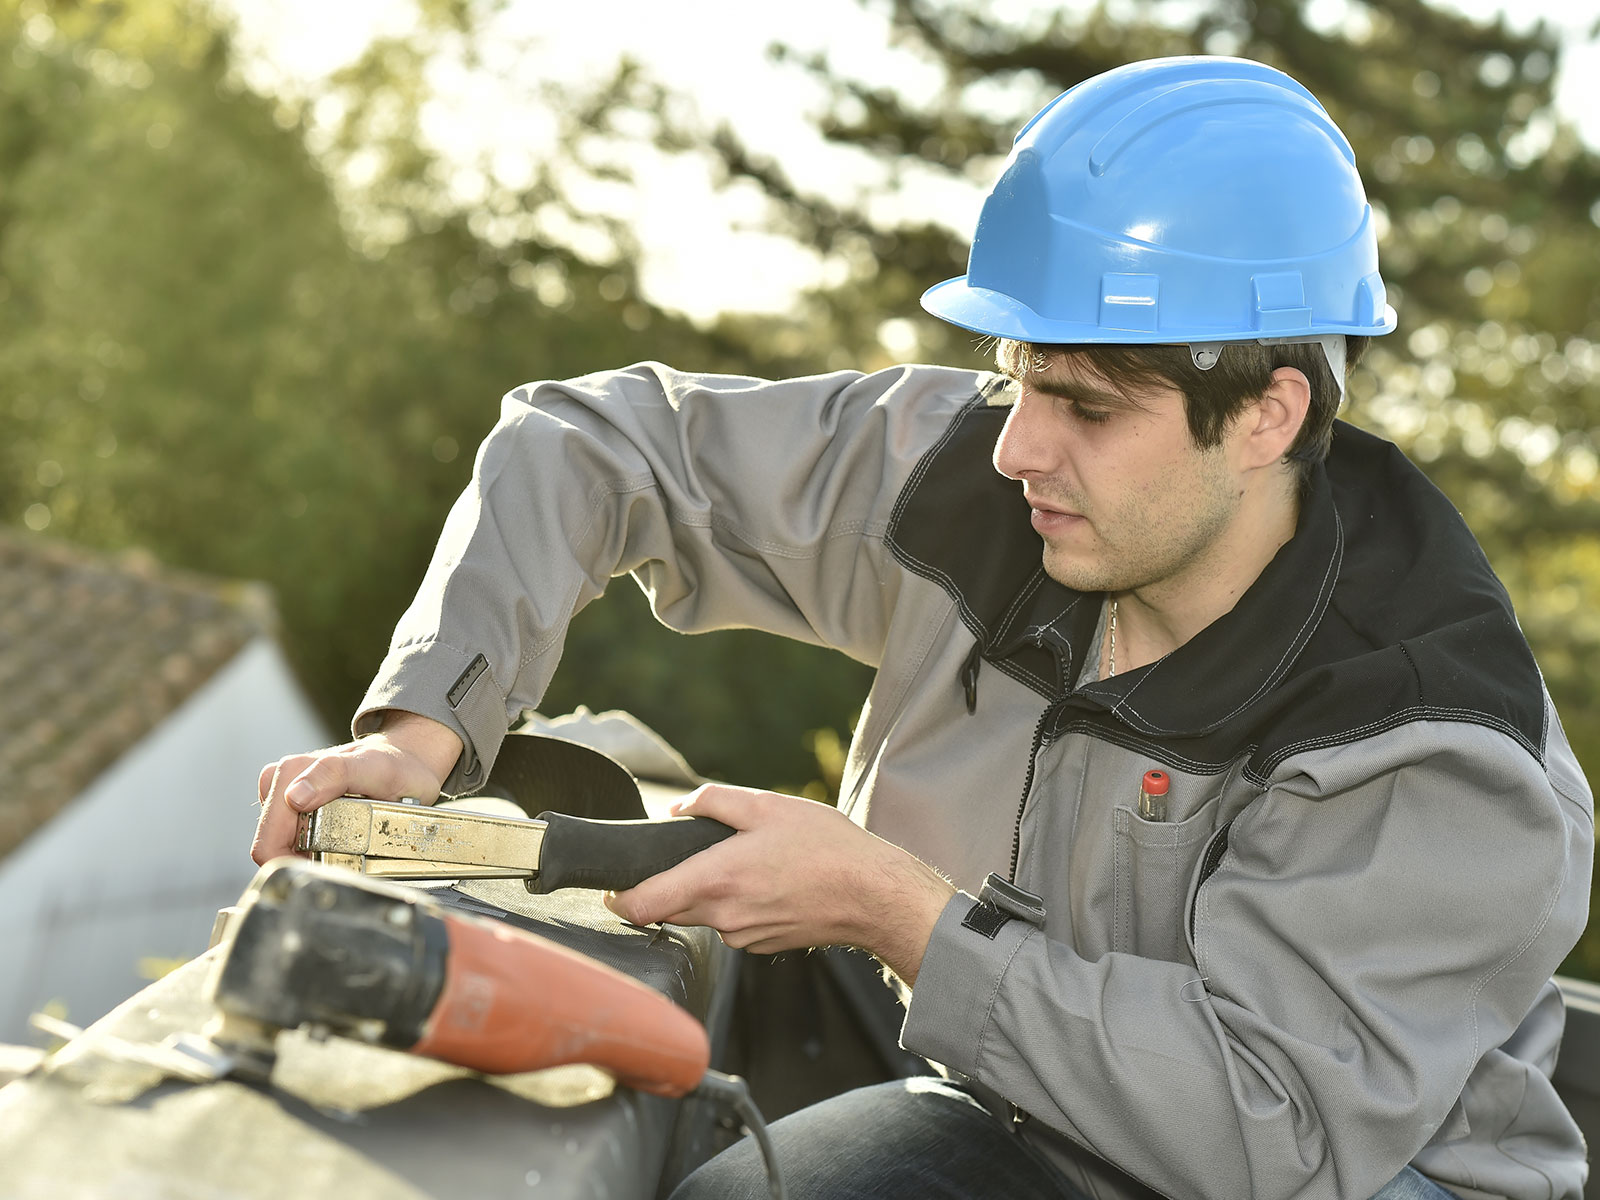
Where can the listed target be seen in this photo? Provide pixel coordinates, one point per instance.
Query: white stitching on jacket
(1274, 677)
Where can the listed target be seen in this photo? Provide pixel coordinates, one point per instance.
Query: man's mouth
(1050, 518)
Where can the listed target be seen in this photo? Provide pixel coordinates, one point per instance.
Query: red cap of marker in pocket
(1153, 795)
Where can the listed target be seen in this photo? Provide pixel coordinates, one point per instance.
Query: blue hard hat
(1179, 200)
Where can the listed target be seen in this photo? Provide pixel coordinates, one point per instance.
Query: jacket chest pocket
(1151, 865)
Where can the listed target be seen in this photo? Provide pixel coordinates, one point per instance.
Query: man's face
(1121, 495)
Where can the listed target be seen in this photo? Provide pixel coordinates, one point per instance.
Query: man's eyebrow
(1076, 389)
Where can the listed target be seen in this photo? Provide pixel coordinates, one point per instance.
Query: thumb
(368, 768)
(664, 896)
(627, 905)
(322, 781)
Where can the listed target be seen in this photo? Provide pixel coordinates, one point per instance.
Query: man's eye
(1095, 416)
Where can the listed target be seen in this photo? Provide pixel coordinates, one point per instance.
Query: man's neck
(1153, 621)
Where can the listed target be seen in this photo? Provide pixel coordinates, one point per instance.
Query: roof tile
(95, 650)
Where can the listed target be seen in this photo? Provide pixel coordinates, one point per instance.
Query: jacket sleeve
(1384, 915)
(734, 502)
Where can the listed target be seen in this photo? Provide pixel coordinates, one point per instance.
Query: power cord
(735, 1093)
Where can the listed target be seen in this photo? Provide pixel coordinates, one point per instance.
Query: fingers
(682, 895)
(275, 826)
(630, 906)
(687, 894)
(301, 782)
(737, 807)
(337, 773)
(722, 886)
(280, 816)
(797, 873)
(286, 792)
(660, 900)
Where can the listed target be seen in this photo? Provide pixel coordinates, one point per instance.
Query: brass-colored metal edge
(378, 829)
(417, 868)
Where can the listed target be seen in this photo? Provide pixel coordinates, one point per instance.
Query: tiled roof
(94, 651)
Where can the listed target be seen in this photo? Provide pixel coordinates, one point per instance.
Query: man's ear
(1273, 422)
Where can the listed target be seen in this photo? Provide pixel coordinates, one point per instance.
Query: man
(1318, 963)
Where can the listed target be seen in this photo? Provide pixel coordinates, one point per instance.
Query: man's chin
(1075, 574)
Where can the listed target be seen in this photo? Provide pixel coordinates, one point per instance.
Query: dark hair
(1211, 398)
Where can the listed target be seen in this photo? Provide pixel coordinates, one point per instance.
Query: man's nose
(1024, 447)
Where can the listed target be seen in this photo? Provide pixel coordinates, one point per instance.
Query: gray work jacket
(1333, 956)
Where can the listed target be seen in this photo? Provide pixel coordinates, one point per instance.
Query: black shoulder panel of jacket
(963, 525)
(1418, 622)
(1381, 610)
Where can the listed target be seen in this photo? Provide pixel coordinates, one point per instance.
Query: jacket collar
(1380, 609)
(962, 525)
(1245, 653)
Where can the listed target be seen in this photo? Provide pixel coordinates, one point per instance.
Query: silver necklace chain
(1111, 651)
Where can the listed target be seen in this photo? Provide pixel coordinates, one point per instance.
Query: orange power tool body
(318, 947)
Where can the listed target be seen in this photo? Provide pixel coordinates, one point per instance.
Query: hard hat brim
(994, 313)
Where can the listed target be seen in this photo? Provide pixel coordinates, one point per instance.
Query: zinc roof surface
(95, 650)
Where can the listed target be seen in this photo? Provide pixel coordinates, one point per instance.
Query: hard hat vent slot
(1281, 302)
(1129, 301)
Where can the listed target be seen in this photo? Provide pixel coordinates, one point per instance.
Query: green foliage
(264, 345)
(740, 705)
(1487, 201)
(208, 355)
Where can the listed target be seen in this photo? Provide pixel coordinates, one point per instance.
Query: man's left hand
(796, 874)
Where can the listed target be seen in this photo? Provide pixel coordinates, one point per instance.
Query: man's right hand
(410, 755)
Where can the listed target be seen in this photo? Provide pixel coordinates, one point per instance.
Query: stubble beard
(1140, 547)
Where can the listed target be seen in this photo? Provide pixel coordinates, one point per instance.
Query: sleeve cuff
(452, 687)
(953, 1000)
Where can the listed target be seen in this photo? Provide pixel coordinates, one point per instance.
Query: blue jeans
(914, 1138)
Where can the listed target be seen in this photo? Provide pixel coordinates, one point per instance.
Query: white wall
(138, 865)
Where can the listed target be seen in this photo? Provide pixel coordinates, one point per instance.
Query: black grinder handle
(614, 855)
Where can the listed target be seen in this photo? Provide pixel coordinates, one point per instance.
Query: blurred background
(266, 267)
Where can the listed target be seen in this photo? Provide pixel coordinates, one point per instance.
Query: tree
(1487, 202)
(218, 349)
(260, 340)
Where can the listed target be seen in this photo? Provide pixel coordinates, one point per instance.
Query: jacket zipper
(1210, 860)
(1027, 786)
(969, 686)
